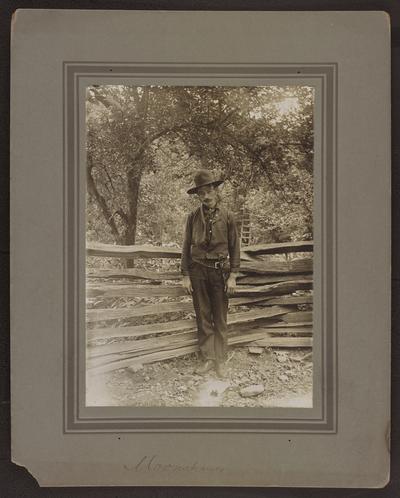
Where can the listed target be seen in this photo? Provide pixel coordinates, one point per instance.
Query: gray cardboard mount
(48, 437)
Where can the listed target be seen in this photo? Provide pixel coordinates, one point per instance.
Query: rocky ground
(261, 378)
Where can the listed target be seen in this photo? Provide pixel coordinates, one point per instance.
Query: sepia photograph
(199, 246)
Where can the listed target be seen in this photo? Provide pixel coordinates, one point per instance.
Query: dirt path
(286, 377)
(212, 393)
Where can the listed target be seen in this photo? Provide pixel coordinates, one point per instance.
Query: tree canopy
(144, 144)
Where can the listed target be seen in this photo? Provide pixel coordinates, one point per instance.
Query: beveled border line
(72, 71)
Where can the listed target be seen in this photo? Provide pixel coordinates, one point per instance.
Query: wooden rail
(270, 290)
(148, 251)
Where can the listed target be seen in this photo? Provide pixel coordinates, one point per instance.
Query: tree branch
(93, 191)
(107, 101)
(123, 215)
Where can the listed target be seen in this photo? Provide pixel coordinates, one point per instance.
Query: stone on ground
(253, 390)
(282, 357)
(135, 368)
(256, 350)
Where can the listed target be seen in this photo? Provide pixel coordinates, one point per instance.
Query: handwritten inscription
(154, 463)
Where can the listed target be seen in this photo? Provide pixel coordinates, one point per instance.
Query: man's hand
(187, 284)
(230, 285)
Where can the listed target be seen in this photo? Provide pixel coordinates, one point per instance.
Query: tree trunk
(101, 202)
(134, 178)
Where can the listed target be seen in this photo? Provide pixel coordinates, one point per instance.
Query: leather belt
(210, 263)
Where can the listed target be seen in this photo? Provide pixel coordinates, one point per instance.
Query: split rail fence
(272, 306)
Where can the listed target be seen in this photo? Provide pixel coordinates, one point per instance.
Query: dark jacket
(224, 241)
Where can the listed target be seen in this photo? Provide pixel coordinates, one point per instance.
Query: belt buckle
(217, 265)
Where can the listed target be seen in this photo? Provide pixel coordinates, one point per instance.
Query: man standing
(210, 263)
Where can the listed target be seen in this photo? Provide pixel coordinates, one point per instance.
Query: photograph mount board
(60, 440)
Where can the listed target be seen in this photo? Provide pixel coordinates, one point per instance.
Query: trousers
(210, 303)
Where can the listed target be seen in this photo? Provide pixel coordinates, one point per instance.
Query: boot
(205, 367)
(221, 369)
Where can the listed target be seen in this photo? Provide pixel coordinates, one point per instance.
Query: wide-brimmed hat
(204, 177)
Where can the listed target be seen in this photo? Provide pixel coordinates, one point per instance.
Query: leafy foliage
(144, 144)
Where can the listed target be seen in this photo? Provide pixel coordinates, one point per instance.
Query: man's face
(208, 195)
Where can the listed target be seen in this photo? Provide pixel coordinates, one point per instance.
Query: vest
(218, 246)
